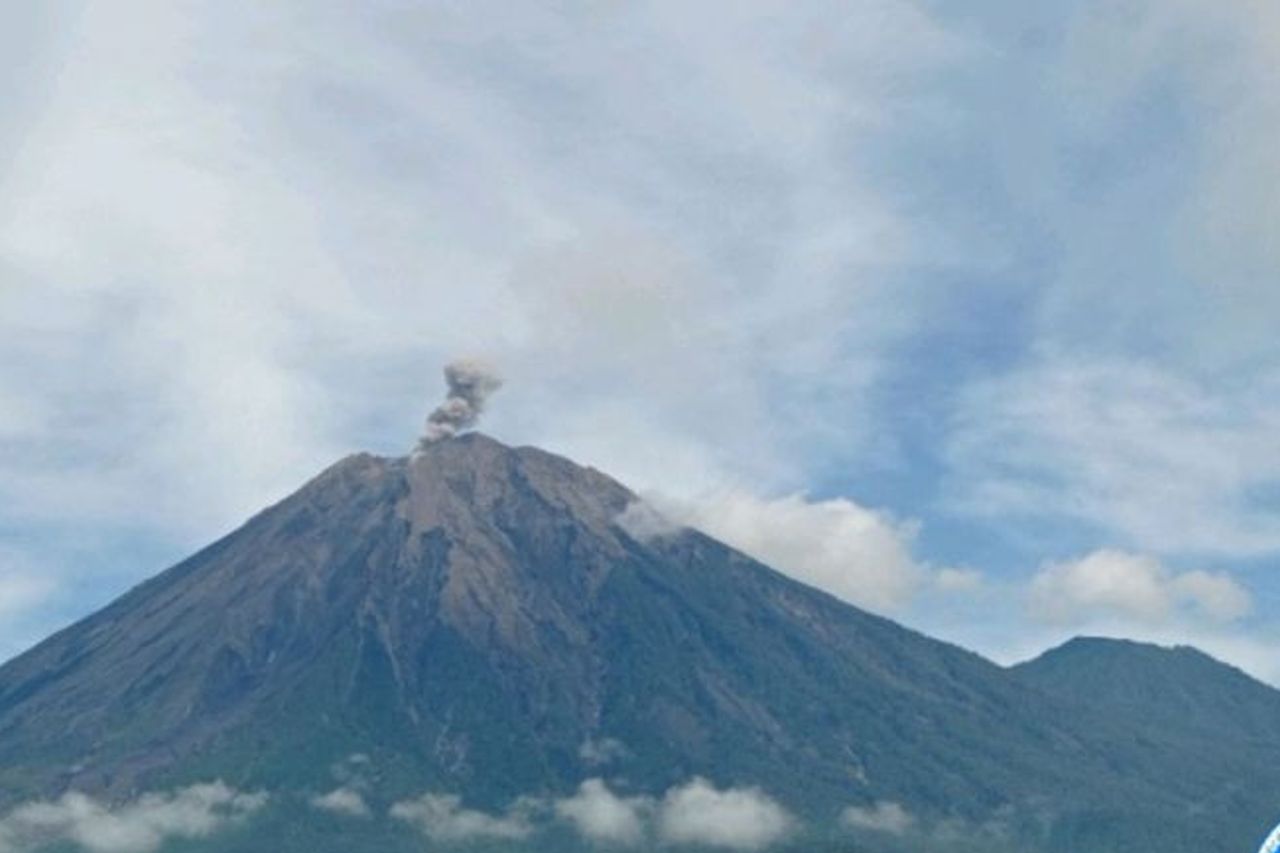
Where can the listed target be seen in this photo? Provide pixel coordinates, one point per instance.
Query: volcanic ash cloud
(471, 383)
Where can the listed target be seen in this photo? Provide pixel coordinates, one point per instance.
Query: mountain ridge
(470, 617)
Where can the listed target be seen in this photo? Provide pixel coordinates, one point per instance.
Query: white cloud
(884, 816)
(600, 815)
(1216, 594)
(695, 812)
(342, 801)
(735, 818)
(140, 826)
(1170, 465)
(1110, 583)
(643, 521)
(601, 751)
(442, 817)
(854, 553)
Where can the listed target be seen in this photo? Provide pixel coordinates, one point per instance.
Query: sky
(962, 312)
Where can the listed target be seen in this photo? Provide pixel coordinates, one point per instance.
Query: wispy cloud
(599, 752)
(884, 816)
(1167, 464)
(20, 590)
(24, 591)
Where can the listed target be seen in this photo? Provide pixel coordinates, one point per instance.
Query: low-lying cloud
(141, 826)
(600, 815)
(602, 751)
(696, 812)
(442, 817)
(737, 818)
(345, 801)
(884, 816)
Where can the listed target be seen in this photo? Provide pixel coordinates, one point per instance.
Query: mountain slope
(474, 619)
(1219, 723)
(1180, 689)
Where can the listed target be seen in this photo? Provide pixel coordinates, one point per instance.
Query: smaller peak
(356, 461)
(1089, 647)
(1089, 642)
(1098, 644)
(1113, 651)
(339, 484)
(361, 465)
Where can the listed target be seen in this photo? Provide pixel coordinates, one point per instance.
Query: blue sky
(963, 312)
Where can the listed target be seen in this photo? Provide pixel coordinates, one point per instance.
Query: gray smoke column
(471, 383)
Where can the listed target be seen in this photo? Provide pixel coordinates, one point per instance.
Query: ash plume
(470, 385)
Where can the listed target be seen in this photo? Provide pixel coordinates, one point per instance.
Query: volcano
(480, 621)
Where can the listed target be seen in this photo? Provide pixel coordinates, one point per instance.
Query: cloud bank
(442, 817)
(140, 826)
(696, 812)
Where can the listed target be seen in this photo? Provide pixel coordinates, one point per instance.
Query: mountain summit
(476, 620)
